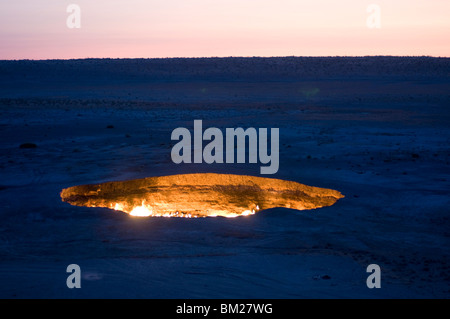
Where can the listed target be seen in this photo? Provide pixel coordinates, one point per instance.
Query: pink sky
(36, 29)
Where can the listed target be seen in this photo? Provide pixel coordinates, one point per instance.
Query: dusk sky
(36, 29)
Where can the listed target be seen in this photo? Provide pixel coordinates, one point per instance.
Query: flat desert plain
(375, 129)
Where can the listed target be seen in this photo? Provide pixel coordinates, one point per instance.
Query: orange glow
(199, 195)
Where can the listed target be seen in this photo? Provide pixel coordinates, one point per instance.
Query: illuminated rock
(199, 195)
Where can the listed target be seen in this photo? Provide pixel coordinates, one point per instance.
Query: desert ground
(375, 129)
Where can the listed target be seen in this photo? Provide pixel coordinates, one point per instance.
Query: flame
(144, 210)
(141, 211)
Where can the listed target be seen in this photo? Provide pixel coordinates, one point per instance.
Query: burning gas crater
(199, 195)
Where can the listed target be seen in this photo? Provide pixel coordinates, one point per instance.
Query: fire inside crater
(199, 195)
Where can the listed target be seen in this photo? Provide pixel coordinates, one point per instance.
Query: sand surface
(375, 129)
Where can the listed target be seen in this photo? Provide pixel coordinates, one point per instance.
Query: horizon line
(233, 57)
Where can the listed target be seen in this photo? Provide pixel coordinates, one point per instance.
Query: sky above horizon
(37, 29)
